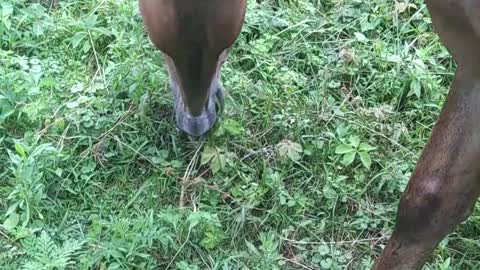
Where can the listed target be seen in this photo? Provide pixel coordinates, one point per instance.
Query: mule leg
(446, 183)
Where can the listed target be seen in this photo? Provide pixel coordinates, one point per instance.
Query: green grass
(93, 170)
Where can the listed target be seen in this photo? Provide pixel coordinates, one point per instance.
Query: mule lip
(196, 126)
(199, 126)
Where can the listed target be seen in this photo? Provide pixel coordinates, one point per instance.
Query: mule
(195, 35)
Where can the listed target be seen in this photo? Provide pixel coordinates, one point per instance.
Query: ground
(328, 106)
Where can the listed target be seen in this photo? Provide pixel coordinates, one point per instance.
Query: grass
(329, 105)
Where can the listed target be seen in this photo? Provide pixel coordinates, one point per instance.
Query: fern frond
(45, 254)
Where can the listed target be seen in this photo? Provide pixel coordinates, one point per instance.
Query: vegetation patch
(328, 106)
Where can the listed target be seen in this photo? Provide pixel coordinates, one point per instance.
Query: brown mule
(195, 35)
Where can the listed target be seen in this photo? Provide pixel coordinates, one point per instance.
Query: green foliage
(29, 165)
(355, 148)
(289, 149)
(328, 105)
(215, 157)
(267, 254)
(45, 254)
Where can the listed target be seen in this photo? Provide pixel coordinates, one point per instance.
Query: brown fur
(193, 35)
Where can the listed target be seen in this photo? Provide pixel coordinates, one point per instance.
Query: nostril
(219, 100)
(218, 105)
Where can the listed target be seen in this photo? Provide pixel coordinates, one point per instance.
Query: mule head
(194, 36)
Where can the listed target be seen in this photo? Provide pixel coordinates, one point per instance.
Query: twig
(7, 237)
(187, 174)
(351, 242)
(97, 61)
(119, 121)
(180, 249)
(139, 154)
(299, 264)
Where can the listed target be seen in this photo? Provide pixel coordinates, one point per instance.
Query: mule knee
(426, 213)
(425, 216)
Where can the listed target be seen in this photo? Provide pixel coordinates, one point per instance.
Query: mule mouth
(196, 126)
(199, 126)
(219, 99)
